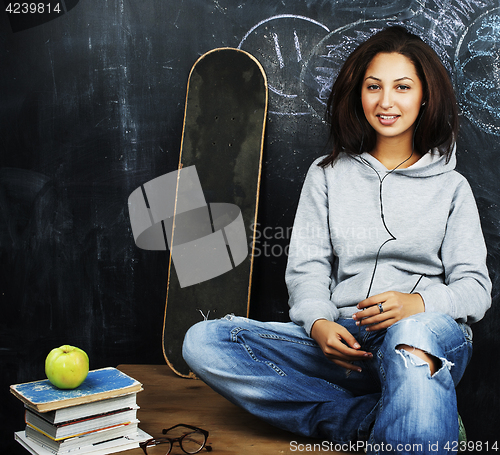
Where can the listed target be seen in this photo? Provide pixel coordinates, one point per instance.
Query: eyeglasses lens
(193, 442)
(159, 449)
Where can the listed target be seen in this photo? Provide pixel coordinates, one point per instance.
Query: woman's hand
(338, 344)
(395, 305)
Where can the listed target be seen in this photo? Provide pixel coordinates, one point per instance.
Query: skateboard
(221, 155)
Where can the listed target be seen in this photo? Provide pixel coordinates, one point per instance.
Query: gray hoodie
(361, 230)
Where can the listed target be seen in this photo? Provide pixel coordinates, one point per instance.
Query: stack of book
(98, 417)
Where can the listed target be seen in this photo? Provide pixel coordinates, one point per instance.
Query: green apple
(67, 366)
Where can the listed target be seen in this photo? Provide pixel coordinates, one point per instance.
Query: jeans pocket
(244, 338)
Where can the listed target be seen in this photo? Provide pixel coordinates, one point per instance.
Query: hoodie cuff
(437, 300)
(309, 311)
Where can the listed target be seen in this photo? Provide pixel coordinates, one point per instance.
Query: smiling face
(391, 96)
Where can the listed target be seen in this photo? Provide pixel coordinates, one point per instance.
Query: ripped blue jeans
(278, 373)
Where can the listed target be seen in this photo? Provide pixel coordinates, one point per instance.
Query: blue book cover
(99, 385)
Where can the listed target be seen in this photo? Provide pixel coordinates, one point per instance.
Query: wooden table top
(168, 399)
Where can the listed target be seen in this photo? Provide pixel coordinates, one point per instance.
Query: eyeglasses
(192, 440)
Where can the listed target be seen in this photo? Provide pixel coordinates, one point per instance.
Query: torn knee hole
(434, 362)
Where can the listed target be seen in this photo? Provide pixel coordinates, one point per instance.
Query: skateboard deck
(222, 143)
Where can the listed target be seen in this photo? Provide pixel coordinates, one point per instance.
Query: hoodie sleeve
(465, 294)
(309, 269)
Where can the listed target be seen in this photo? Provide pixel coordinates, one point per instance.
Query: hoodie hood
(432, 163)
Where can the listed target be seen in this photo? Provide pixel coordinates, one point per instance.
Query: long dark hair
(350, 132)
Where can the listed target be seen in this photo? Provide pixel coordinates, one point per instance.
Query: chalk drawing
(280, 44)
(327, 58)
(449, 18)
(477, 68)
(277, 48)
(383, 9)
(302, 57)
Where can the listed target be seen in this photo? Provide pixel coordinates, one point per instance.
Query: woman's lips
(387, 120)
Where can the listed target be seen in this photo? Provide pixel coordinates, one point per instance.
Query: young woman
(386, 271)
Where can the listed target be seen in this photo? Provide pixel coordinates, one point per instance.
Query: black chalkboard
(91, 107)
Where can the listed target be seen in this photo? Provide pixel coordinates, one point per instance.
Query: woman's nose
(386, 101)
